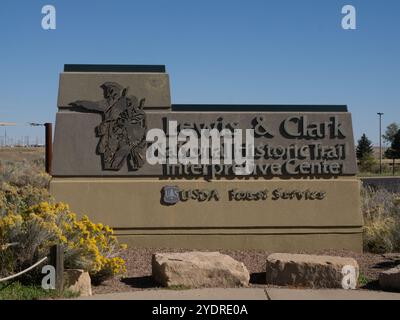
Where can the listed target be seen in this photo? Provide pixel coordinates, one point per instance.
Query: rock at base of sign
(78, 281)
(199, 270)
(312, 271)
(389, 280)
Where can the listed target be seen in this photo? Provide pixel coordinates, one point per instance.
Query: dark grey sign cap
(114, 68)
(257, 108)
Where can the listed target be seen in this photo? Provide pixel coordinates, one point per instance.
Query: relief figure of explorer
(122, 131)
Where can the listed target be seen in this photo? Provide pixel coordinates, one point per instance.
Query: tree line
(365, 150)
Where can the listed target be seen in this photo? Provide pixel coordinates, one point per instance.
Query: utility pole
(5, 125)
(380, 114)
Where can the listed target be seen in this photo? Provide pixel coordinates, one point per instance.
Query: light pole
(380, 114)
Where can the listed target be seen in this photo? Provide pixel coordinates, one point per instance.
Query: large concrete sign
(212, 176)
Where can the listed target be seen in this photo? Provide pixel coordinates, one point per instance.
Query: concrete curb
(247, 294)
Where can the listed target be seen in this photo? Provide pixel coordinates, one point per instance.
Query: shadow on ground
(387, 264)
(148, 282)
(371, 285)
(140, 282)
(258, 278)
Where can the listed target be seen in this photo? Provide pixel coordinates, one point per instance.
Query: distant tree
(394, 151)
(364, 148)
(391, 131)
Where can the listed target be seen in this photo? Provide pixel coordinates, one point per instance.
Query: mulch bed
(138, 262)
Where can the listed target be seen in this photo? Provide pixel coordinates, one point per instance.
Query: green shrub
(368, 164)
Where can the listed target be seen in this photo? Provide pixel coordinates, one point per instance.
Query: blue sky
(267, 52)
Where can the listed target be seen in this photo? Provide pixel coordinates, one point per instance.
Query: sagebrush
(31, 219)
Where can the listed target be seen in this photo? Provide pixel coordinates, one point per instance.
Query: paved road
(247, 294)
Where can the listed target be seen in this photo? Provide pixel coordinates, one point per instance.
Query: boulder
(312, 271)
(389, 280)
(198, 269)
(78, 281)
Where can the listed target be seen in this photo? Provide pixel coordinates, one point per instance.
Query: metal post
(49, 146)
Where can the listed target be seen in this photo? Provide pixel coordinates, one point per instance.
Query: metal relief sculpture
(122, 131)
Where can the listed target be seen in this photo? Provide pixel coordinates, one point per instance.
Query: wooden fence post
(57, 260)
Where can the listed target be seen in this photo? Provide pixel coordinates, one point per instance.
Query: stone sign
(212, 176)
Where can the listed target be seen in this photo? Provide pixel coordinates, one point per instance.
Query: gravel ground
(138, 262)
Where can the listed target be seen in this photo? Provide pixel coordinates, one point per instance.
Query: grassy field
(20, 154)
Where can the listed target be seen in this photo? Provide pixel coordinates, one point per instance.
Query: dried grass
(381, 211)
